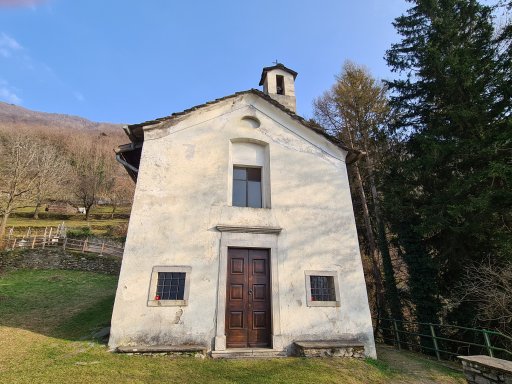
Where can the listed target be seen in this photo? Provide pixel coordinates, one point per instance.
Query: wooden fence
(56, 237)
(99, 247)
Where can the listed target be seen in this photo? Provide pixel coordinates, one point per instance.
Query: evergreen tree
(448, 192)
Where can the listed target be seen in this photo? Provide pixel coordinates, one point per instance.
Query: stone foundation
(351, 349)
(166, 350)
(486, 370)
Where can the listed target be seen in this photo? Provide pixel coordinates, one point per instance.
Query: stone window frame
(264, 165)
(154, 281)
(309, 301)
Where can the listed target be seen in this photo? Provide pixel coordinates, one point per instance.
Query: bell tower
(279, 83)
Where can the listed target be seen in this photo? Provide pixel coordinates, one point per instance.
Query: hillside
(13, 117)
(77, 155)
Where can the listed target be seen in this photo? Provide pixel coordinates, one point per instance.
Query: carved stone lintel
(248, 229)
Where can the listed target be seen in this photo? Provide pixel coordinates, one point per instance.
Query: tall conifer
(449, 186)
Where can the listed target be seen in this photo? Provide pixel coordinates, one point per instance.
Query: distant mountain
(13, 116)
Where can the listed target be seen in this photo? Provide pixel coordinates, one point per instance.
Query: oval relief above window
(250, 121)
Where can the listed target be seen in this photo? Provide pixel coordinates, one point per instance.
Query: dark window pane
(254, 174)
(247, 187)
(239, 173)
(280, 84)
(322, 288)
(171, 285)
(254, 194)
(239, 193)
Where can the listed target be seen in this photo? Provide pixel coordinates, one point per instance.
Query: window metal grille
(170, 286)
(322, 288)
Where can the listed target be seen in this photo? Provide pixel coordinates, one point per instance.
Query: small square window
(322, 289)
(169, 286)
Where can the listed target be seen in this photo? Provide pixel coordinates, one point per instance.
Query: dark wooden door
(248, 298)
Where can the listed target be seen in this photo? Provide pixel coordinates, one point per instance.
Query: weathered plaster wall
(182, 193)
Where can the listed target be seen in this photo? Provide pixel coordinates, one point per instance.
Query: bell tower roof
(277, 66)
(279, 83)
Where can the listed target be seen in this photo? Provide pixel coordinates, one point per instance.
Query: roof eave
(277, 66)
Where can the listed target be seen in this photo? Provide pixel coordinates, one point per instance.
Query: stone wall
(338, 348)
(59, 259)
(486, 370)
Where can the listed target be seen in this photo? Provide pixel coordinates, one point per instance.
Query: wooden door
(248, 298)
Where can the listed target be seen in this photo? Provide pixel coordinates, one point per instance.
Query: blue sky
(130, 61)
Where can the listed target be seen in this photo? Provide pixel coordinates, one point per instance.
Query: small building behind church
(242, 234)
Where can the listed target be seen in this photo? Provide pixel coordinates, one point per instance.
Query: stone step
(248, 353)
(167, 349)
(329, 348)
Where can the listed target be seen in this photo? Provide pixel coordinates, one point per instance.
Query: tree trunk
(389, 273)
(379, 291)
(3, 226)
(87, 212)
(36, 211)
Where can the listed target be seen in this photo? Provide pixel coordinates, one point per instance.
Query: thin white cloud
(8, 45)
(8, 94)
(79, 96)
(20, 3)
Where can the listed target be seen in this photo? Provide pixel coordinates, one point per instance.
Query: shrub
(81, 232)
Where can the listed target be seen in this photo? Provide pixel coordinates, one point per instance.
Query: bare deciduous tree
(120, 191)
(18, 174)
(91, 167)
(353, 110)
(489, 287)
(52, 172)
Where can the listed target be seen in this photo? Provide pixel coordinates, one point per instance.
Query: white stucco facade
(182, 216)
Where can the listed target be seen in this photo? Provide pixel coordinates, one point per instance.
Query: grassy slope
(98, 226)
(47, 318)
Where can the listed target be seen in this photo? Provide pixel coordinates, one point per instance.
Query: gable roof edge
(135, 131)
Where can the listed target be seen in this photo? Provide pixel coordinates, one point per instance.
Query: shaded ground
(416, 368)
(47, 319)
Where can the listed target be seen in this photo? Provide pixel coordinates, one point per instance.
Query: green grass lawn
(47, 319)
